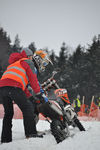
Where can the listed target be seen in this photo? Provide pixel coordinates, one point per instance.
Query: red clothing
(31, 76)
(16, 72)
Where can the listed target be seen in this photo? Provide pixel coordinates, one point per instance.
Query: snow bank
(89, 139)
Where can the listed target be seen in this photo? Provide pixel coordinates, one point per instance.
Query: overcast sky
(50, 22)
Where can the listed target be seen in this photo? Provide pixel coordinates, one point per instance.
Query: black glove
(42, 97)
(32, 99)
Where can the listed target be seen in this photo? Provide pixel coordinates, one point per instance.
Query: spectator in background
(77, 104)
(98, 102)
(86, 109)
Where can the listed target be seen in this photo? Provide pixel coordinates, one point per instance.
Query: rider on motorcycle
(41, 60)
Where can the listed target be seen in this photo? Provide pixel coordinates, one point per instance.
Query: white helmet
(41, 59)
(78, 96)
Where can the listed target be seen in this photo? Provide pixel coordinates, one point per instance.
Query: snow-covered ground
(88, 140)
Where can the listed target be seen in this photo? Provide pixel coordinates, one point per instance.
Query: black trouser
(77, 109)
(8, 95)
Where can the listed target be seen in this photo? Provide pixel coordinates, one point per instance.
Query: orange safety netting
(93, 107)
(82, 109)
(94, 114)
(17, 113)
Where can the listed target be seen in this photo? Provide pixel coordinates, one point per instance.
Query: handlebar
(50, 82)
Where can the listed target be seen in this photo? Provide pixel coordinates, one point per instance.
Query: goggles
(45, 62)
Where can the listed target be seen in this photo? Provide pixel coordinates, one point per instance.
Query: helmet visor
(42, 60)
(44, 63)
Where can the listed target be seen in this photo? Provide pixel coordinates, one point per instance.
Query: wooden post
(83, 104)
(92, 99)
(83, 99)
(91, 103)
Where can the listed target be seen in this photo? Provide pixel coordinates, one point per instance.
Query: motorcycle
(63, 100)
(58, 112)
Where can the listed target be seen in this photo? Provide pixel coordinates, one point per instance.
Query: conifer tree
(16, 46)
(93, 67)
(63, 55)
(5, 48)
(32, 47)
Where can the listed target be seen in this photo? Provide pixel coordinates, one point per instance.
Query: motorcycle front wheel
(79, 125)
(58, 130)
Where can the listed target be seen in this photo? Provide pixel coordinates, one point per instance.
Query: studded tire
(58, 131)
(79, 125)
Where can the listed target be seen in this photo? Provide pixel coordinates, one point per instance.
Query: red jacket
(30, 73)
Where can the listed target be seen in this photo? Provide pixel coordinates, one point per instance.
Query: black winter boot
(39, 135)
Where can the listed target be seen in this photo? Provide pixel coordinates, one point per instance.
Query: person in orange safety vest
(13, 87)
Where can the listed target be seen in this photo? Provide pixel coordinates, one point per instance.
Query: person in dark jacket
(13, 87)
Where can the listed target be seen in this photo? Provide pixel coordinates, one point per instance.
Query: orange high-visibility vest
(16, 72)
